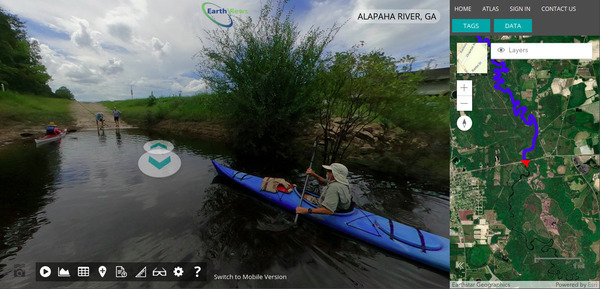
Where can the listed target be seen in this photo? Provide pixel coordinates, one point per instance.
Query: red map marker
(526, 162)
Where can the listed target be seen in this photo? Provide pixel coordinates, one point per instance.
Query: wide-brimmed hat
(51, 124)
(339, 171)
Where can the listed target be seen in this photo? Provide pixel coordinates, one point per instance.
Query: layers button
(513, 25)
(470, 25)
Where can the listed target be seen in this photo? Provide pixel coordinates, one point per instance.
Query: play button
(45, 271)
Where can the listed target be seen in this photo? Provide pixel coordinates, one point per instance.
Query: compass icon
(464, 123)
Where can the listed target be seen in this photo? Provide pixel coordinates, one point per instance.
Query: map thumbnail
(471, 58)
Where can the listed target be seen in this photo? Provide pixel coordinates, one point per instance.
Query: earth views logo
(219, 15)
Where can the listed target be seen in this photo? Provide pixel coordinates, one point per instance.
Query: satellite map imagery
(524, 175)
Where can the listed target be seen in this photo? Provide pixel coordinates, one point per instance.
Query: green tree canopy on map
(479, 256)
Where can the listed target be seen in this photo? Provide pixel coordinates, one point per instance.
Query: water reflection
(29, 177)
(265, 240)
(237, 240)
(118, 137)
(102, 137)
(85, 199)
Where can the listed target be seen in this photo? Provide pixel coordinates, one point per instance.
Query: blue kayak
(382, 232)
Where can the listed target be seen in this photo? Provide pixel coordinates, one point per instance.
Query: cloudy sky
(100, 49)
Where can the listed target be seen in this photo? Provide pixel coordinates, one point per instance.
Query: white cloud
(159, 48)
(113, 66)
(80, 73)
(107, 46)
(121, 31)
(84, 36)
(64, 70)
(193, 86)
(423, 41)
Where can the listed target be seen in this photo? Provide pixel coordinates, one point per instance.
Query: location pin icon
(102, 271)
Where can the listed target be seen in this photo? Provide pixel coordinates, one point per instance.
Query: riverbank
(23, 117)
(421, 156)
(151, 112)
(27, 115)
(393, 151)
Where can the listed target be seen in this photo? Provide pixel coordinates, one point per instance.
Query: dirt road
(84, 115)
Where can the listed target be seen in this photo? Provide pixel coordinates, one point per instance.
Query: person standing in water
(116, 114)
(100, 119)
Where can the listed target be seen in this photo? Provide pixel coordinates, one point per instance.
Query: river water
(84, 199)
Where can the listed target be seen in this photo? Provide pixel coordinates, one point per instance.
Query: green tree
(356, 89)
(64, 92)
(151, 99)
(20, 61)
(265, 72)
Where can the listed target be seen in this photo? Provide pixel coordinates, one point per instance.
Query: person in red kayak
(51, 129)
(335, 196)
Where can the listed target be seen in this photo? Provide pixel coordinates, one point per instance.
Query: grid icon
(83, 271)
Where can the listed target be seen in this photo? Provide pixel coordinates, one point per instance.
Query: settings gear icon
(178, 271)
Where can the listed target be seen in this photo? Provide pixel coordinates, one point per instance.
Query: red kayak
(51, 137)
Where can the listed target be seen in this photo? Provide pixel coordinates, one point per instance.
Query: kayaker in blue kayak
(335, 196)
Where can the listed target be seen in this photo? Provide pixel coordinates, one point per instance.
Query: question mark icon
(198, 269)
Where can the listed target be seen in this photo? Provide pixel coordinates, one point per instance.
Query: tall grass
(18, 108)
(144, 112)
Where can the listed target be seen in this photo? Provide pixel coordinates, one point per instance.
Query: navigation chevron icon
(157, 164)
(159, 161)
(158, 145)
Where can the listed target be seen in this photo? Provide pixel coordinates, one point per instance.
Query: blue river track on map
(518, 111)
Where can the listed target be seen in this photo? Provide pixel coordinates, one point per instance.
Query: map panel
(519, 214)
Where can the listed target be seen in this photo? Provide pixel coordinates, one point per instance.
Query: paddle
(306, 180)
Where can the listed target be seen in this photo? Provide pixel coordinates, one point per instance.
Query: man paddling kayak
(335, 196)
